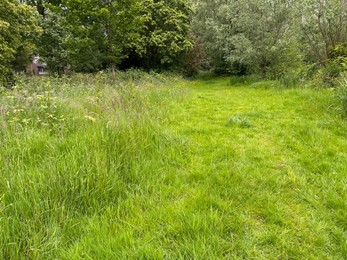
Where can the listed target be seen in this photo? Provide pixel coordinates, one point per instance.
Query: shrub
(296, 76)
(328, 75)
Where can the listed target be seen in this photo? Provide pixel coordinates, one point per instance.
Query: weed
(240, 121)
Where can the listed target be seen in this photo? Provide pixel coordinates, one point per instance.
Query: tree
(41, 5)
(248, 36)
(150, 33)
(324, 27)
(18, 29)
(51, 44)
(166, 34)
(101, 32)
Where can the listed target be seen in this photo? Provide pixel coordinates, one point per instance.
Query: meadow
(153, 166)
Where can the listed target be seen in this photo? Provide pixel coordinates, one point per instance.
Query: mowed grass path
(267, 173)
(220, 172)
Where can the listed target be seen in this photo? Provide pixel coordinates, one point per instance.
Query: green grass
(95, 167)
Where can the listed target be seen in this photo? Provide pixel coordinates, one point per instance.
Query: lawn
(166, 168)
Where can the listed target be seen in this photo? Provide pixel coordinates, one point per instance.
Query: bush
(296, 76)
(328, 75)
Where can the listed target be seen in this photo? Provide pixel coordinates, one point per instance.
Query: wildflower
(90, 118)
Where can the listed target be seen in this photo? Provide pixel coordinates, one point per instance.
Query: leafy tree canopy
(18, 29)
(246, 35)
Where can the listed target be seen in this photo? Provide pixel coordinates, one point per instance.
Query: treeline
(271, 38)
(93, 35)
(275, 38)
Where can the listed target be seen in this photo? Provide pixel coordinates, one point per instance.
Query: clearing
(250, 171)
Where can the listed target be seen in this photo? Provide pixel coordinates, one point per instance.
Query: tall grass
(73, 147)
(342, 94)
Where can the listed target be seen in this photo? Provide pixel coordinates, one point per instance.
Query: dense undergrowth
(148, 166)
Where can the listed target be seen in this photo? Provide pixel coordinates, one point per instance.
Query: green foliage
(195, 59)
(297, 76)
(342, 94)
(274, 39)
(52, 43)
(41, 5)
(329, 74)
(249, 36)
(18, 28)
(100, 32)
(166, 33)
(323, 26)
(95, 35)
